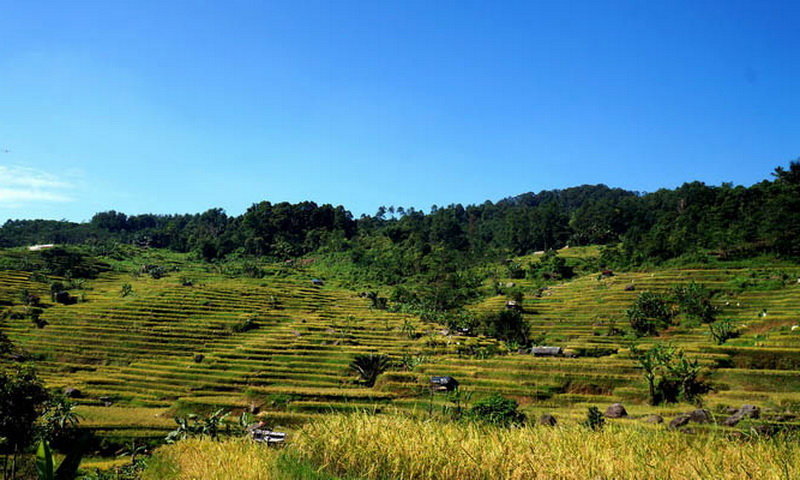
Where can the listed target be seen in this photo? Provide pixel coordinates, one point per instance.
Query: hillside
(180, 344)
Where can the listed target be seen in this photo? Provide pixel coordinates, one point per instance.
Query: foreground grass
(374, 447)
(240, 459)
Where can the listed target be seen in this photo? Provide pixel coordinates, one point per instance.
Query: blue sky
(171, 107)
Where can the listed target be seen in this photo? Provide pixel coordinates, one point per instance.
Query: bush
(594, 419)
(650, 313)
(671, 376)
(497, 410)
(723, 330)
(507, 325)
(369, 366)
(244, 326)
(694, 302)
(155, 271)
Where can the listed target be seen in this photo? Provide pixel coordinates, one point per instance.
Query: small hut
(513, 305)
(317, 282)
(547, 351)
(444, 384)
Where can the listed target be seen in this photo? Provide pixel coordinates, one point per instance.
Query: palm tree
(369, 366)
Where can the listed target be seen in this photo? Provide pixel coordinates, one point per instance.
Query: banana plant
(67, 470)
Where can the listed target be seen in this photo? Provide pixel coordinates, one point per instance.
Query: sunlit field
(375, 447)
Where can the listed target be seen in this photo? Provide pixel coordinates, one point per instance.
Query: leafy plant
(723, 330)
(195, 425)
(671, 375)
(694, 302)
(67, 469)
(369, 367)
(507, 325)
(244, 325)
(594, 419)
(650, 313)
(497, 410)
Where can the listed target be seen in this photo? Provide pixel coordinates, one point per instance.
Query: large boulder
(616, 410)
(747, 411)
(547, 420)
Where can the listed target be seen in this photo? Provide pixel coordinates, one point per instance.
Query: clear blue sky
(172, 106)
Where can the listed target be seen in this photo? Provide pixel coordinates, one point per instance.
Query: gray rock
(679, 421)
(747, 411)
(654, 419)
(548, 420)
(701, 415)
(616, 410)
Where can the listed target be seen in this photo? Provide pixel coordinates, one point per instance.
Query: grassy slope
(138, 351)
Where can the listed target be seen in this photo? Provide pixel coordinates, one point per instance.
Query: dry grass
(198, 459)
(391, 447)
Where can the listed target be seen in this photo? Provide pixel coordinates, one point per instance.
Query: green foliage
(497, 410)
(155, 271)
(193, 425)
(723, 330)
(551, 267)
(244, 326)
(682, 223)
(694, 302)
(650, 313)
(44, 462)
(23, 399)
(125, 290)
(507, 325)
(377, 302)
(369, 367)
(671, 376)
(594, 419)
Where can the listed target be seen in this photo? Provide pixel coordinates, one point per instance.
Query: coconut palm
(369, 366)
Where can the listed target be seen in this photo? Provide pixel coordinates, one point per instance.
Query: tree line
(732, 221)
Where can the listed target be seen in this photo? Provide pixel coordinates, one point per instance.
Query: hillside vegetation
(541, 307)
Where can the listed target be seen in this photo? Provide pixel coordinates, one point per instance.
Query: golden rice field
(394, 447)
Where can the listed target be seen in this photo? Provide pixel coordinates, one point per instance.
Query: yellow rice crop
(393, 447)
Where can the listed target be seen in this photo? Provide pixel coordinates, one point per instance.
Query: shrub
(369, 366)
(497, 410)
(552, 267)
(722, 331)
(126, 290)
(244, 326)
(507, 325)
(694, 302)
(650, 313)
(594, 419)
(155, 271)
(671, 375)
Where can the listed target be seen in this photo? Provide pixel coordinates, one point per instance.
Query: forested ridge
(644, 227)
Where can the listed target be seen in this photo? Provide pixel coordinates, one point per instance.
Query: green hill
(202, 337)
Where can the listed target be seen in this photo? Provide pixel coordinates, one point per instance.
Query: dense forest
(732, 221)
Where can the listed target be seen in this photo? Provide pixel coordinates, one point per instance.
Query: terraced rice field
(136, 359)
